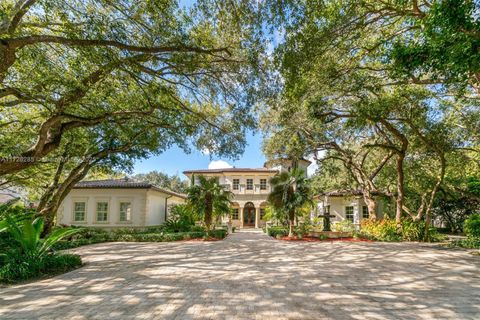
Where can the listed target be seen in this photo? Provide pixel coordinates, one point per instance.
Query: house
(117, 203)
(250, 188)
(344, 205)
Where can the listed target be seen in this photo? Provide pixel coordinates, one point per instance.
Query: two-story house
(250, 188)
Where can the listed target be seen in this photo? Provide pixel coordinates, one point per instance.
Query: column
(257, 216)
(241, 217)
(356, 213)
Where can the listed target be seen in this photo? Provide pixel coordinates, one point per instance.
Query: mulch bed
(200, 240)
(314, 239)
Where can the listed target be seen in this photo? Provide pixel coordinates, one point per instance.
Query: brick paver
(250, 276)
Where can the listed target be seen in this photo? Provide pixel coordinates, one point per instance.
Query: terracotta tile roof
(341, 193)
(123, 184)
(266, 170)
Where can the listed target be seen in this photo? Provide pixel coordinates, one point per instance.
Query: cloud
(219, 164)
(312, 168)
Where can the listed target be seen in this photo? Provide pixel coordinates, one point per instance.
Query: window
(125, 211)
(236, 184)
(102, 211)
(249, 184)
(235, 214)
(263, 184)
(262, 213)
(79, 210)
(365, 212)
(349, 213)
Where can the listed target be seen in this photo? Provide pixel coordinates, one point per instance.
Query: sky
(175, 161)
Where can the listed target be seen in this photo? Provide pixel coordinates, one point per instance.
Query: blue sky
(175, 161)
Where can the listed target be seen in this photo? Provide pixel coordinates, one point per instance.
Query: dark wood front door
(249, 217)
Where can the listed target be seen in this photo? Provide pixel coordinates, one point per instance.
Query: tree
(174, 182)
(290, 192)
(341, 93)
(76, 64)
(208, 198)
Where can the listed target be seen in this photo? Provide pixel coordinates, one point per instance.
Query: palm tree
(290, 192)
(208, 197)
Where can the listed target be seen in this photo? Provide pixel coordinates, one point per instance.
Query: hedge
(89, 236)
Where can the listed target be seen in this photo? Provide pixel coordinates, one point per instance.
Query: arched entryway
(249, 215)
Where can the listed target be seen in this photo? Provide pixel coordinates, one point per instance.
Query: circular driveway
(250, 276)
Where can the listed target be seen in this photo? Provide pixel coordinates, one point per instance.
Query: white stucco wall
(148, 207)
(137, 198)
(338, 207)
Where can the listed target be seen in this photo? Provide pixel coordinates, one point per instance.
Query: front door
(249, 217)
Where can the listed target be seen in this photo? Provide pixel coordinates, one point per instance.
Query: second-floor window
(263, 184)
(236, 184)
(249, 184)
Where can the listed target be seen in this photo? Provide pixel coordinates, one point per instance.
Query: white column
(257, 216)
(241, 217)
(356, 214)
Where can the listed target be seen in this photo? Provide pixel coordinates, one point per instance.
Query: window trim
(263, 186)
(79, 199)
(237, 213)
(365, 210)
(347, 214)
(262, 215)
(120, 202)
(74, 211)
(238, 184)
(246, 184)
(107, 201)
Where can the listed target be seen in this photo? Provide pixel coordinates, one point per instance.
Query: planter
(331, 234)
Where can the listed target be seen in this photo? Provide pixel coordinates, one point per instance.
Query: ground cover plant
(26, 254)
(88, 236)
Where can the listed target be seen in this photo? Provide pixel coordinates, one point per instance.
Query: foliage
(277, 216)
(472, 226)
(208, 198)
(181, 219)
(27, 234)
(290, 193)
(18, 267)
(379, 89)
(91, 236)
(163, 180)
(277, 231)
(389, 230)
(468, 243)
(343, 226)
(303, 228)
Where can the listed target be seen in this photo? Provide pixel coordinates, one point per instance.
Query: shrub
(387, 230)
(197, 229)
(277, 231)
(218, 233)
(20, 267)
(343, 226)
(471, 227)
(382, 230)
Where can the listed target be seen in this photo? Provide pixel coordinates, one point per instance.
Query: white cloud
(312, 168)
(219, 164)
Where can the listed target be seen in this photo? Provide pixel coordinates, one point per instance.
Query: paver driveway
(250, 276)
